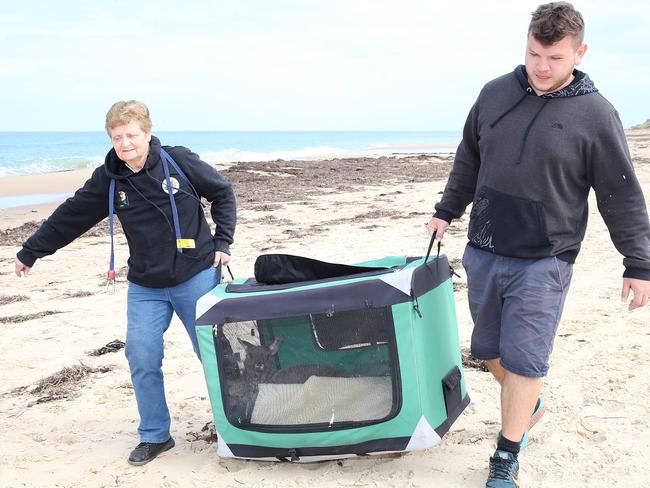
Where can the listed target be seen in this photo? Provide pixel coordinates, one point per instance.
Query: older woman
(155, 191)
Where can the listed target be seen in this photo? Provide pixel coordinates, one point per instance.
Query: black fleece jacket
(144, 210)
(528, 162)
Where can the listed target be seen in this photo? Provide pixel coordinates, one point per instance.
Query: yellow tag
(185, 243)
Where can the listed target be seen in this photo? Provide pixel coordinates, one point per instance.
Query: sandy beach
(78, 430)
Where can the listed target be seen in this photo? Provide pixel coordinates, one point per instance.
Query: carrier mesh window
(357, 328)
(309, 370)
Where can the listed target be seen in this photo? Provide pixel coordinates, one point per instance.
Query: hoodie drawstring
(530, 125)
(162, 212)
(493, 124)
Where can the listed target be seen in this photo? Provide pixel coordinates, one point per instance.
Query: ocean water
(23, 153)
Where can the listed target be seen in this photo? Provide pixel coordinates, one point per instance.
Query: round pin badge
(175, 185)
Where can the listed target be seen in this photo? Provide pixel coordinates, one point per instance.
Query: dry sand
(598, 389)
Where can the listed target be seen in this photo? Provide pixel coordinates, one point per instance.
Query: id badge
(185, 243)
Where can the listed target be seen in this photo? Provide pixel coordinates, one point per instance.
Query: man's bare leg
(519, 396)
(494, 365)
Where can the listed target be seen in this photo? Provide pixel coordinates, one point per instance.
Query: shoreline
(67, 181)
(254, 182)
(55, 186)
(44, 192)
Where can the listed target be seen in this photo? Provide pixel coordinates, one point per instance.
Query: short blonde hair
(126, 111)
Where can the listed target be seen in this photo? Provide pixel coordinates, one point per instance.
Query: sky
(291, 64)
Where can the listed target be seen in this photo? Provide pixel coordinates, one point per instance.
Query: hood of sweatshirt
(580, 85)
(116, 168)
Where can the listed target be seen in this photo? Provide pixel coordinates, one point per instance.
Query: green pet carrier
(311, 360)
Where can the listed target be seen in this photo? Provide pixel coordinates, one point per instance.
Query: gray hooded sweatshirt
(528, 162)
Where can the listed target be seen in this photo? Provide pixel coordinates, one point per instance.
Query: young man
(174, 258)
(534, 143)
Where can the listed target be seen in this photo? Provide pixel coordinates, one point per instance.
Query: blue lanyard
(166, 160)
(110, 277)
(170, 191)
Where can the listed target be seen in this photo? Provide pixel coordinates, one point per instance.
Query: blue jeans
(149, 313)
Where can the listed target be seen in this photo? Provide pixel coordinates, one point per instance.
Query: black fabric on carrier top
(275, 269)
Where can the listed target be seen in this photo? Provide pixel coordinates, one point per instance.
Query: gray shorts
(516, 306)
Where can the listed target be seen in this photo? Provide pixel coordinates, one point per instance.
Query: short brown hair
(126, 111)
(553, 21)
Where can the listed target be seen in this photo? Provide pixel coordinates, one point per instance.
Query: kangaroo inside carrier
(323, 369)
(346, 360)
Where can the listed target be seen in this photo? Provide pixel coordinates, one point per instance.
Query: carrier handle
(433, 238)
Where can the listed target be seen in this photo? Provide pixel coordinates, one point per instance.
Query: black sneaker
(147, 451)
(504, 471)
